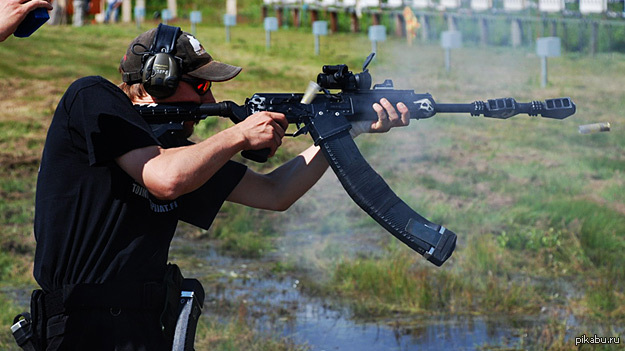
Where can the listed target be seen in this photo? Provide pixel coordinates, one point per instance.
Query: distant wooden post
(334, 21)
(483, 31)
(296, 18)
(608, 28)
(425, 28)
(279, 15)
(354, 24)
(593, 37)
(375, 18)
(583, 26)
(565, 35)
(314, 15)
(452, 22)
(400, 24)
(516, 32)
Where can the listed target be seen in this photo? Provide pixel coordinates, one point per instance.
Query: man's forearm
(279, 189)
(170, 173)
(296, 177)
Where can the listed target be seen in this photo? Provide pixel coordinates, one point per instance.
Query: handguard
(373, 195)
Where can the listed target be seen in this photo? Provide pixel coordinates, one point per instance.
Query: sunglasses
(201, 86)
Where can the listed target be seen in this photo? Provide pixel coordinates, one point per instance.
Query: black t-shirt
(93, 222)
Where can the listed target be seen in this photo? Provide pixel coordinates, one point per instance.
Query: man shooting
(110, 194)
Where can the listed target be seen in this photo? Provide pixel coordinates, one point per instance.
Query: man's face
(186, 93)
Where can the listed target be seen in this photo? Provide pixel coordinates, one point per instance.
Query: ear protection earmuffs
(161, 68)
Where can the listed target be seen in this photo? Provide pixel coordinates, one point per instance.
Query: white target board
(422, 4)
(593, 6)
(450, 4)
(550, 5)
(481, 5)
(369, 3)
(394, 3)
(514, 5)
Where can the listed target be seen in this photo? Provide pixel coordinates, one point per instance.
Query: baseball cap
(196, 62)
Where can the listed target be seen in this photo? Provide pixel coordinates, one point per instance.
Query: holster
(183, 306)
(173, 284)
(28, 329)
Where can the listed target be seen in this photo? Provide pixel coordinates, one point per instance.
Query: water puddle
(310, 321)
(277, 306)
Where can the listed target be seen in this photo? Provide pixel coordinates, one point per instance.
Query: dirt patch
(28, 100)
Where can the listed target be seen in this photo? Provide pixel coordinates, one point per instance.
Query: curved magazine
(374, 196)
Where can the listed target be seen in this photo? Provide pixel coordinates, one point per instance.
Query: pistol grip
(259, 156)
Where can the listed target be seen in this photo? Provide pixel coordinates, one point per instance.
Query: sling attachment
(369, 191)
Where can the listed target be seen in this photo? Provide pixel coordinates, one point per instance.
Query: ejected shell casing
(594, 128)
(311, 92)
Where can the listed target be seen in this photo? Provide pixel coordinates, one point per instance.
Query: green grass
(235, 334)
(244, 232)
(414, 288)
